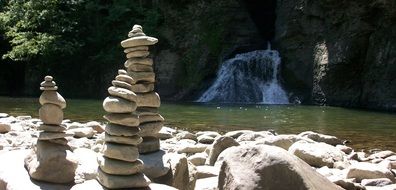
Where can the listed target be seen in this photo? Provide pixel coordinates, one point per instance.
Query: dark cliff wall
(339, 52)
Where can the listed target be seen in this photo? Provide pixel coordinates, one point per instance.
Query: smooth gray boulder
(268, 167)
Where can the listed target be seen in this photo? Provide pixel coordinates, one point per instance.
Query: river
(365, 129)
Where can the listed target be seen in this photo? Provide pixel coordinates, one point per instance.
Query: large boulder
(178, 175)
(13, 175)
(268, 167)
(317, 154)
(51, 162)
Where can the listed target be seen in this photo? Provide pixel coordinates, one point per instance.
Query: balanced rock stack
(140, 68)
(119, 166)
(52, 160)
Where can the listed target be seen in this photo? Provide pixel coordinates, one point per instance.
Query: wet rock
(205, 139)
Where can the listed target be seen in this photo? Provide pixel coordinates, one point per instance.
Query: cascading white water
(250, 77)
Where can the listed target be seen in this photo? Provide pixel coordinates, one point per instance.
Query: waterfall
(250, 77)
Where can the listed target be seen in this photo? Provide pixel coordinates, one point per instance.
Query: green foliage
(73, 39)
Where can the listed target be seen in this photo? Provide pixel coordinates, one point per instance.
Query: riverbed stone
(137, 48)
(186, 135)
(51, 114)
(127, 153)
(140, 68)
(379, 182)
(54, 135)
(149, 144)
(179, 177)
(52, 97)
(316, 154)
(121, 84)
(198, 159)
(205, 139)
(98, 127)
(150, 118)
(126, 78)
(150, 129)
(138, 60)
(137, 54)
(51, 163)
(118, 105)
(220, 143)
(122, 93)
(155, 164)
(5, 127)
(382, 154)
(268, 167)
(139, 41)
(120, 130)
(328, 139)
(191, 148)
(119, 167)
(83, 132)
(126, 119)
(207, 171)
(52, 128)
(365, 170)
(142, 77)
(122, 181)
(131, 140)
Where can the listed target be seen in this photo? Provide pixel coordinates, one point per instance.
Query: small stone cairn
(132, 114)
(52, 160)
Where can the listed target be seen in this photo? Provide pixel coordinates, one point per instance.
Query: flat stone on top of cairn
(119, 164)
(52, 159)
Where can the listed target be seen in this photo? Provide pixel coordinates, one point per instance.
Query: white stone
(316, 154)
(220, 144)
(364, 170)
(118, 105)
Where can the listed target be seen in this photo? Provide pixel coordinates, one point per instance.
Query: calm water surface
(365, 129)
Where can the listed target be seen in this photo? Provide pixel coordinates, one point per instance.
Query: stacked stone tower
(140, 67)
(131, 94)
(52, 159)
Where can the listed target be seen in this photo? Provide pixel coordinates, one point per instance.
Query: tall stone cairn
(131, 100)
(52, 160)
(140, 68)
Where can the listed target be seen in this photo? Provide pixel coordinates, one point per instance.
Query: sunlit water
(365, 129)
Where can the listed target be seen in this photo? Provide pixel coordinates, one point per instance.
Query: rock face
(52, 159)
(119, 166)
(268, 167)
(339, 53)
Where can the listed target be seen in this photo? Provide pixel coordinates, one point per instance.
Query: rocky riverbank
(208, 160)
